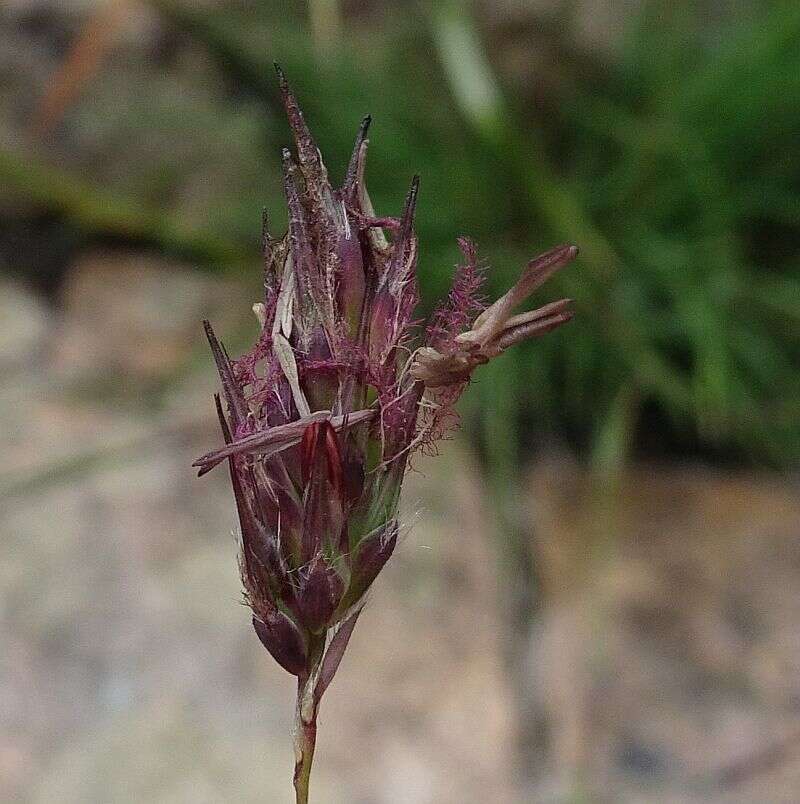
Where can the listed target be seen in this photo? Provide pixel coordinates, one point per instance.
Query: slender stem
(304, 742)
(305, 725)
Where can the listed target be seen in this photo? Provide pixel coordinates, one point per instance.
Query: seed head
(321, 415)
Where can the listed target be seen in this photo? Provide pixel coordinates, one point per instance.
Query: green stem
(325, 18)
(304, 741)
(99, 211)
(305, 724)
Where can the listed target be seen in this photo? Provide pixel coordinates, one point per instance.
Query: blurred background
(599, 596)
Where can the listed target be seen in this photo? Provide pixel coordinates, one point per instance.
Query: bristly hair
(463, 303)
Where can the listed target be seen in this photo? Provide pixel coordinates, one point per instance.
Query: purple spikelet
(322, 413)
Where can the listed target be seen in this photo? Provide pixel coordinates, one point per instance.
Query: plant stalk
(305, 724)
(305, 738)
(304, 742)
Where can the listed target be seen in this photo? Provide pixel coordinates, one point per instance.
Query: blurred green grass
(672, 159)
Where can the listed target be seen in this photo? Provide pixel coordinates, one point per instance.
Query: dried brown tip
(351, 176)
(307, 151)
(233, 397)
(406, 222)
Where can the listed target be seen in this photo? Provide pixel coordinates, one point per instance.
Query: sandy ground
(665, 658)
(130, 671)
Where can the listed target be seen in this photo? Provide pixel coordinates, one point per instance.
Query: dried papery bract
(321, 415)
